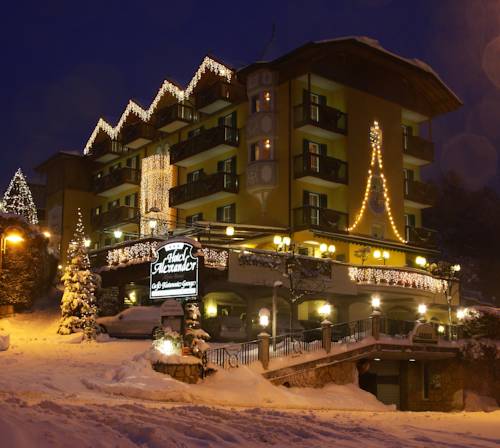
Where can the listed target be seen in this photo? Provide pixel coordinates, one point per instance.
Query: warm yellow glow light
(325, 310)
(264, 320)
(377, 254)
(376, 301)
(211, 310)
(287, 241)
(323, 247)
(87, 242)
(166, 347)
(441, 329)
(420, 261)
(422, 309)
(117, 234)
(229, 230)
(386, 255)
(277, 240)
(46, 234)
(14, 238)
(332, 248)
(456, 268)
(461, 312)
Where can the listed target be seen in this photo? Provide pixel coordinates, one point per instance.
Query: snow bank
(236, 387)
(479, 403)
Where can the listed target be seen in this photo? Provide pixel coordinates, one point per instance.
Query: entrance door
(388, 381)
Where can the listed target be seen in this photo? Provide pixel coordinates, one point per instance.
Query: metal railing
(354, 331)
(230, 356)
(320, 166)
(296, 343)
(320, 115)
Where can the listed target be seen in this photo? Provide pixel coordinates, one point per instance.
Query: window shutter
(219, 214)
(306, 98)
(221, 121)
(220, 166)
(234, 120)
(322, 149)
(305, 197)
(305, 146)
(322, 100)
(323, 201)
(233, 165)
(233, 213)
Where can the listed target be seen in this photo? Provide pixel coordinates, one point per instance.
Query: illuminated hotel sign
(174, 272)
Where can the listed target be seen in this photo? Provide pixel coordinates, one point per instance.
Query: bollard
(375, 318)
(264, 349)
(326, 327)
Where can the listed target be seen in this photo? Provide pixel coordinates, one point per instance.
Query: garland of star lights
(397, 277)
(18, 199)
(167, 87)
(157, 177)
(376, 164)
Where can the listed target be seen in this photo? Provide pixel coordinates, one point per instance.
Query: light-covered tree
(78, 304)
(18, 200)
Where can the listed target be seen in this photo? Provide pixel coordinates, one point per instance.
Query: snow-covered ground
(55, 392)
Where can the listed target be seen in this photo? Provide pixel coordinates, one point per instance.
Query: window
(230, 126)
(409, 176)
(132, 200)
(410, 223)
(227, 166)
(227, 213)
(315, 202)
(255, 104)
(133, 162)
(190, 220)
(261, 150)
(315, 101)
(193, 176)
(97, 211)
(314, 152)
(113, 204)
(407, 132)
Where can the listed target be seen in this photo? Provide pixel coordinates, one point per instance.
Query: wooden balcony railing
(173, 113)
(117, 177)
(117, 215)
(224, 91)
(420, 236)
(322, 167)
(320, 218)
(138, 132)
(322, 116)
(205, 186)
(107, 149)
(420, 192)
(418, 147)
(205, 140)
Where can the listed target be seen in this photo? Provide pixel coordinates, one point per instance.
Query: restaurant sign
(174, 272)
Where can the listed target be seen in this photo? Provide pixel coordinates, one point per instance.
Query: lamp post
(452, 275)
(11, 235)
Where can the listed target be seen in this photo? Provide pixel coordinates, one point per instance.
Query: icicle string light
(167, 87)
(376, 163)
(157, 177)
(397, 277)
(18, 199)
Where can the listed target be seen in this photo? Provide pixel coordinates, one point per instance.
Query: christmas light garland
(167, 87)
(157, 177)
(397, 277)
(376, 164)
(18, 199)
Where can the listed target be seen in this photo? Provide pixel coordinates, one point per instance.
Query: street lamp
(420, 261)
(376, 302)
(264, 318)
(422, 310)
(117, 234)
(325, 310)
(461, 313)
(10, 235)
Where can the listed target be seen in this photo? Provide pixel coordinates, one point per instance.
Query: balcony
(117, 181)
(419, 194)
(107, 150)
(321, 120)
(310, 217)
(207, 144)
(137, 135)
(320, 170)
(420, 236)
(175, 117)
(118, 215)
(417, 150)
(208, 188)
(218, 96)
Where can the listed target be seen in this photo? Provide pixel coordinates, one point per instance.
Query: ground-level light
(325, 310)
(166, 347)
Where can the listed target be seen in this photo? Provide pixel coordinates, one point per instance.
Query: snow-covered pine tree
(78, 304)
(18, 200)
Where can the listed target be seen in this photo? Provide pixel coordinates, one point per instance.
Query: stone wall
(339, 373)
(445, 392)
(187, 373)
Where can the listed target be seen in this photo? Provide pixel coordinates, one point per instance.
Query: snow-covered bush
(78, 304)
(480, 349)
(482, 322)
(195, 338)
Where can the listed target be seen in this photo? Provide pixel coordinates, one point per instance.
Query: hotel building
(316, 153)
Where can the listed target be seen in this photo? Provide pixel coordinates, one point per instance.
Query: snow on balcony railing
(396, 277)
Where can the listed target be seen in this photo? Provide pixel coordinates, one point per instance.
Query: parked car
(135, 322)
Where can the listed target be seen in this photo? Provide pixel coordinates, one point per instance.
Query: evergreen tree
(78, 305)
(18, 199)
